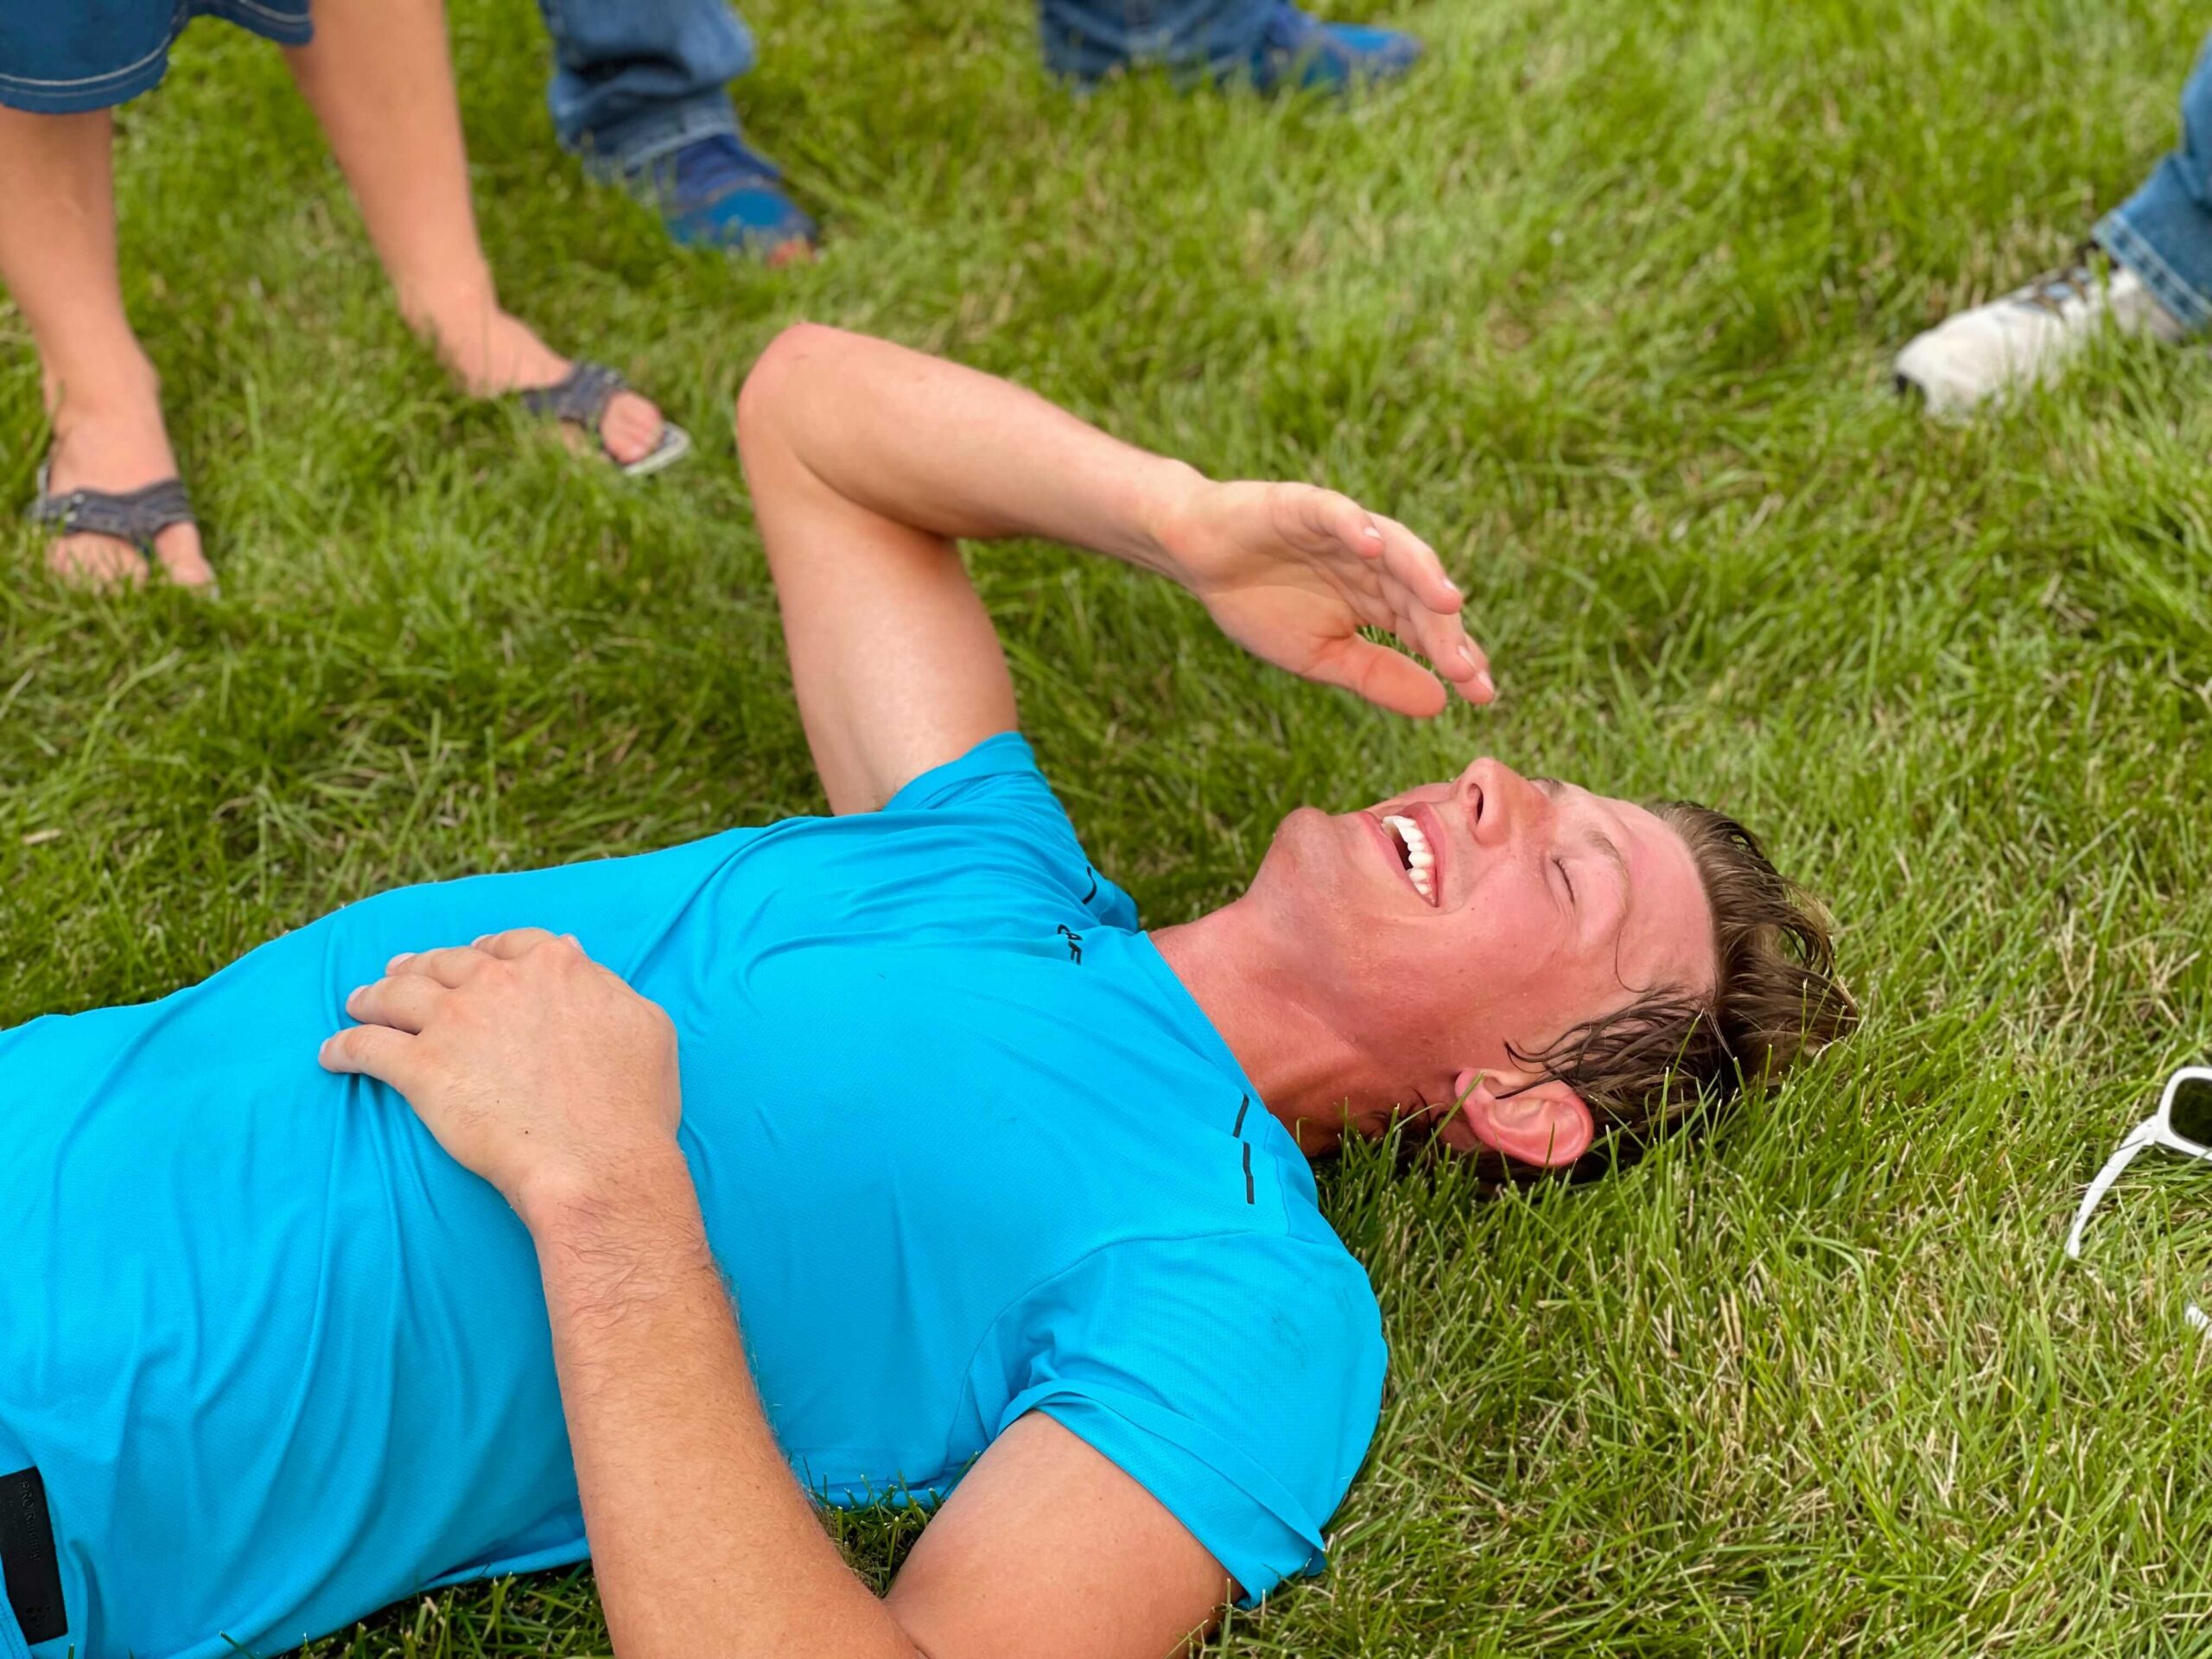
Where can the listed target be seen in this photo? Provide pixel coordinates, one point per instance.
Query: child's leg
(58, 260)
(379, 79)
(2163, 231)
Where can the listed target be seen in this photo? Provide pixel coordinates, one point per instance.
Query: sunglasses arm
(2119, 1160)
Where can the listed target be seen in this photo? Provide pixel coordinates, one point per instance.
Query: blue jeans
(633, 79)
(1087, 38)
(2163, 231)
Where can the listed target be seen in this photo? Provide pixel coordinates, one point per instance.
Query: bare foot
(491, 353)
(118, 449)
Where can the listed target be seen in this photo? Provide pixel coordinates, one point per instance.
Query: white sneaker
(2018, 341)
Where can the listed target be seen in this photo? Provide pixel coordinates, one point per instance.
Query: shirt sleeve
(1238, 1378)
(1001, 766)
(999, 780)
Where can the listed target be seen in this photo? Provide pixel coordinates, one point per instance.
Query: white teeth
(1420, 861)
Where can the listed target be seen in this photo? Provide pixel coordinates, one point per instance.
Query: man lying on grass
(1009, 1198)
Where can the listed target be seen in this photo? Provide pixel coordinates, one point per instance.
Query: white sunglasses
(2182, 1123)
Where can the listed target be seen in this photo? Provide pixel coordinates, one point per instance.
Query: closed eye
(1560, 865)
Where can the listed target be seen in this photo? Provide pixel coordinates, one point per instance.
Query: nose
(1498, 802)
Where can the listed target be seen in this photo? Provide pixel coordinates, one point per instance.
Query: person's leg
(640, 91)
(58, 261)
(2163, 231)
(1088, 39)
(2160, 284)
(633, 79)
(1268, 44)
(380, 80)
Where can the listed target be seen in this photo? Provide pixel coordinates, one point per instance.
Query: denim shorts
(89, 54)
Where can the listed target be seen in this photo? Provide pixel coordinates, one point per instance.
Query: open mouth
(1415, 856)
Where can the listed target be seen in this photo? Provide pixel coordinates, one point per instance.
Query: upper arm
(1046, 1547)
(895, 665)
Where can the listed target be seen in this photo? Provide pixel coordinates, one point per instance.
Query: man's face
(1455, 921)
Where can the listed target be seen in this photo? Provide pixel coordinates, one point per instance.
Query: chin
(1291, 860)
(1299, 885)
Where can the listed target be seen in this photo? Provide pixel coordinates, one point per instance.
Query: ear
(1546, 1124)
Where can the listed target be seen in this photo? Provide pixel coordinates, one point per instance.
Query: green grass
(1602, 302)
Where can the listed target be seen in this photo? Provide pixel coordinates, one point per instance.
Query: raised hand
(1292, 572)
(534, 1066)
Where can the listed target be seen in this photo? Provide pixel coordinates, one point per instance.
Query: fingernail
(393, 966)
(1484, 684)
(1466, 653)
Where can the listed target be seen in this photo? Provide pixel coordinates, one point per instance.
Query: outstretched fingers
(1337, 517)
(1395, 551)
(1388, 678)
(1418, 600)
(1446, 644)
(1412, 564)
(1430, 609)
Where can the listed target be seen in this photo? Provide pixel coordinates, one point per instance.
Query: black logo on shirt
(1244, 1105)
(1075, 942)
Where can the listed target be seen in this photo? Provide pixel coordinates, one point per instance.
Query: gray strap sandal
(132, 515)
(581, 400)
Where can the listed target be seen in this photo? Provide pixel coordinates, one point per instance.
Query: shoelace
(2055, 289)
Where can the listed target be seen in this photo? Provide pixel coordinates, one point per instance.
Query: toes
(91, 561)
(96, 561)
(178, 549)
(630, 427)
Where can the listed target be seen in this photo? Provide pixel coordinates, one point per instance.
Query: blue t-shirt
(965, 1146)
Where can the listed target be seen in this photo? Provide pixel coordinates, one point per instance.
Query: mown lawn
(1602, 302)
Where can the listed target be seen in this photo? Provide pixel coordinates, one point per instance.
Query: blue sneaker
(718, 191)
(1304, 52)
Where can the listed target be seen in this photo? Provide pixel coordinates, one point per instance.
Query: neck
(1308, 1071)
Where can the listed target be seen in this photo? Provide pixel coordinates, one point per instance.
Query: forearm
(954, 453)
(868, 462)
(702, 1542)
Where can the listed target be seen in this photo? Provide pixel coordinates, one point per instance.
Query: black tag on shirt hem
(28, 1564)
